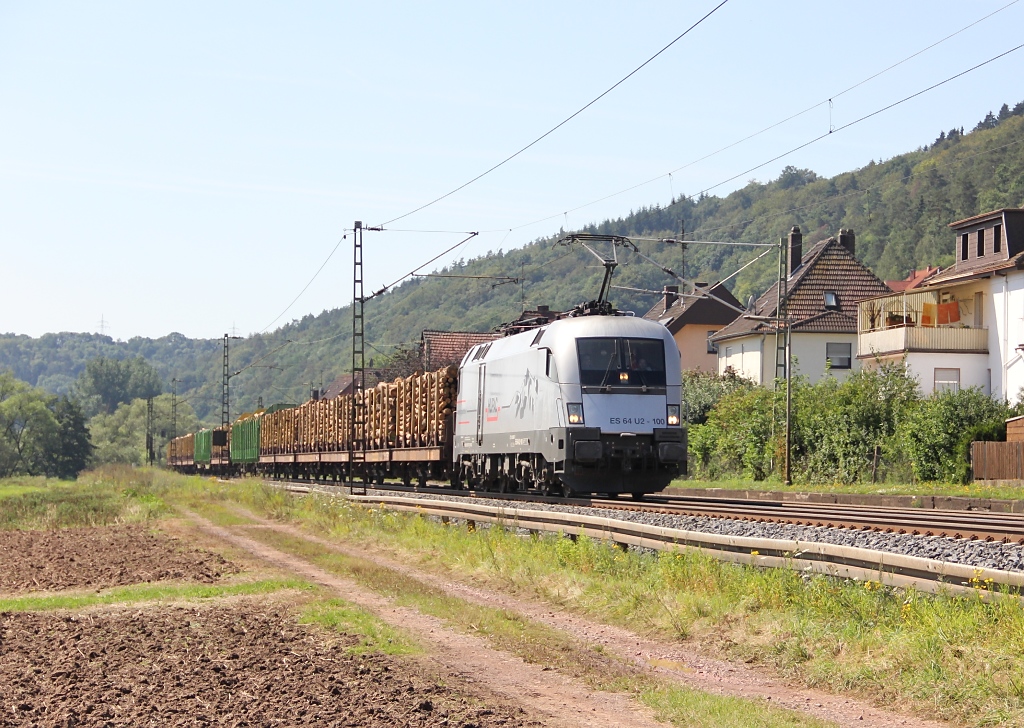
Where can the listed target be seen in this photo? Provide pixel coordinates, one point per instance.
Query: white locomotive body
(582, 405)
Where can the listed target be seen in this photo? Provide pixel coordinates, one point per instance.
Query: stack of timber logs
(408, 412)
(181, 450)
(278, 432)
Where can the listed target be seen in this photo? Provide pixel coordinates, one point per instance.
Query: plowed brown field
(239, 661)
(243, 664)
(99, 558)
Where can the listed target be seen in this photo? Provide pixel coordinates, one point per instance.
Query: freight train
(584, 404)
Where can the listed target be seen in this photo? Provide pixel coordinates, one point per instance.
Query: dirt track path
(551, 697)
(686, 665)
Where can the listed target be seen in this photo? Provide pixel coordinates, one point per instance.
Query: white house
(823, 289)
(965, 326)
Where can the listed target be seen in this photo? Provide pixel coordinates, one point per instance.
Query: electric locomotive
(587, 404)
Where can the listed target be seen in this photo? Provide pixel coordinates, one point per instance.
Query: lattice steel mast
(357, 411)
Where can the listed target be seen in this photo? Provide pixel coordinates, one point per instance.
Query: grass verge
(119, 495)
(969, 490)
(375, 635)
(137, 593)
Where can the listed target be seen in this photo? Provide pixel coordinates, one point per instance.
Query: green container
(245, 439)
(204, 447)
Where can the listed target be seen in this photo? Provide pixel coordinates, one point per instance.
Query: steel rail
(847, 562)
(985, 526)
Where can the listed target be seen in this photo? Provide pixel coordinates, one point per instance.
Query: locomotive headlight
(575, 413)
(673, 414)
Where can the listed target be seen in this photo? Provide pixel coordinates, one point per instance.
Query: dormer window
(997, 238)
(963, 247)
(831, 300)
(981, 242)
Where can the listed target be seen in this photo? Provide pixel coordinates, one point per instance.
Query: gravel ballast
(979, 554)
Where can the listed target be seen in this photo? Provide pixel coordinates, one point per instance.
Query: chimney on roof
(848, 240)
(671, 296)
(796, 249)
(543, 310)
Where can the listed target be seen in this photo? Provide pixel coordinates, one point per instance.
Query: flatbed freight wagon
(401, 429)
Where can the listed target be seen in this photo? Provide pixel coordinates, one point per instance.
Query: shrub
(839, 424)
(737, 436)
(702, 391)
(938, 432)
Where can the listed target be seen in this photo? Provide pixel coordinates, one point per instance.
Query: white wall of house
(754, 356)
(746, 356)
(1007, 295)
(940, 370)
(809, 355)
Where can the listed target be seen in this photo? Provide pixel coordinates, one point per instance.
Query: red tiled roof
(827, 266)
(441, 348)
(916, 279)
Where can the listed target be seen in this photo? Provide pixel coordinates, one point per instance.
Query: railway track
(973, 525)
(985, 526)
(843, 561)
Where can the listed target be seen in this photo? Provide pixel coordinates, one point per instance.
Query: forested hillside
(899, 209)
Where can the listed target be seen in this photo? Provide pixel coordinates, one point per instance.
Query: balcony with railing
(926, 321)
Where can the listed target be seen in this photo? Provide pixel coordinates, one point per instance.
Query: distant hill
(899, 209)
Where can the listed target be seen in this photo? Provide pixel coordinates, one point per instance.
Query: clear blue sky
(187, 166)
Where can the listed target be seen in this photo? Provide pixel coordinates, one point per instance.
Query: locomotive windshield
(621, 362)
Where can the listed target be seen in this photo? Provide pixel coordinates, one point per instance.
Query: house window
(963, 247)
(712, 346)
(728, 352)
(979, 310)
(838, 356)
(947, 380)
(981, 242)
(997, 238)
(831, 300)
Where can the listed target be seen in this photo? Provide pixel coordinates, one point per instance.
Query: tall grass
(94, 500)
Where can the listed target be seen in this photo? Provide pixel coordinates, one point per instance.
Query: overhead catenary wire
(708, 242)
(806, 110)
(859, 191)
(305, 287)
(506, 279)
(560, 124)
(411, 273)
(847, 126)
(765, 129)
(876, 112)
(812, 141)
